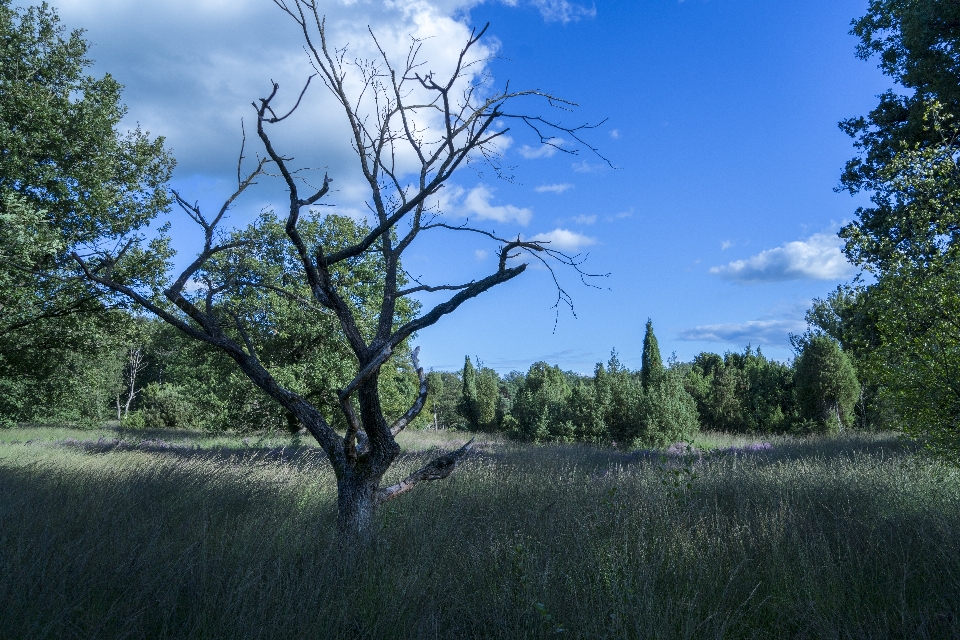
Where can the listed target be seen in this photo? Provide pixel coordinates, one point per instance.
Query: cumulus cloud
(754, 332)
(553, 188)
(476, 203)
(564, 240)
(816, 258)
(545, 150)
(191, 69)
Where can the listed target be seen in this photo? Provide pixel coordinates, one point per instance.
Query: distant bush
(645, 408)
(165, 406)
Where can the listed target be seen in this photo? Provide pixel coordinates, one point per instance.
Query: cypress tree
(468, 398)
(488, 391)
(651, 367)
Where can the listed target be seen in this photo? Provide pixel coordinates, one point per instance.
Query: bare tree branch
(438, 469)
(404, 164)
(417, 407)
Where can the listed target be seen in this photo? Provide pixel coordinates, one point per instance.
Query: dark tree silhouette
(389, 116)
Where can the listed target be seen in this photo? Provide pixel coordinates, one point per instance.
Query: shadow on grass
(523, 542)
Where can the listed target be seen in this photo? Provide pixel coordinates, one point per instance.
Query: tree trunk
(355, 507)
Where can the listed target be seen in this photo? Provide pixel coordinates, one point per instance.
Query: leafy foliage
(616, 405)
(826, 384)
(303, 349)
(540, 406)
(903, 325)
(849, 315)
(651, 367)
(70, 180)
(742, 392)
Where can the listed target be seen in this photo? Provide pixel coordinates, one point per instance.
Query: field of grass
(194, 537)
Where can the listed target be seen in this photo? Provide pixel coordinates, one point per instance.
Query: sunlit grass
(412, 440)
(842, 537)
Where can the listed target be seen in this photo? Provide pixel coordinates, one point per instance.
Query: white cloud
(584, 219)
(585, 167)
(563, 10)
(481, 254)
(615, 134)
(816, 258)
(619, 216)
(477, 203)
(726, 244)
(755, 332)
(564, 240)
(553, 188)
(545, 150)
(191, 69)
(455, 200)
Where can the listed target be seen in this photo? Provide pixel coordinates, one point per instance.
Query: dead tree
(134, 366)
(442, 124)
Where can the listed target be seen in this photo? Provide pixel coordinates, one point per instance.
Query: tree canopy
(70, 179)
(909, 239)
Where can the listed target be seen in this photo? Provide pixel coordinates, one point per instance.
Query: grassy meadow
(187, 536)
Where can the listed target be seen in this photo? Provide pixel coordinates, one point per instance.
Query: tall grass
(847, 537)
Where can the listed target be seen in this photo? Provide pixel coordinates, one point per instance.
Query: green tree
(718, 389)
(70, 181)
(850, 315)
(910, 131)
(488, 395)
(589, 407)
(634, 416)
(467, 407)
(651, 367)
(826, 384)
(919, 354)
(63, 371)
(301, 347)
(742, 392)
(908, 238)
(446, 401)
(626, 395)
(540, 406)
(667, 413)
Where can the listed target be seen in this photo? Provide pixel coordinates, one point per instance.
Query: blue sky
(718, 221)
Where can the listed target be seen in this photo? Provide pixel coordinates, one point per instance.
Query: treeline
(87, 363)
(146, 374)
(737, 392)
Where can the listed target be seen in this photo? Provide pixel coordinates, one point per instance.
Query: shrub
(826, 385)
(165, 406)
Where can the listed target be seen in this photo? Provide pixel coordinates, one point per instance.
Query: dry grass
(851, 537)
